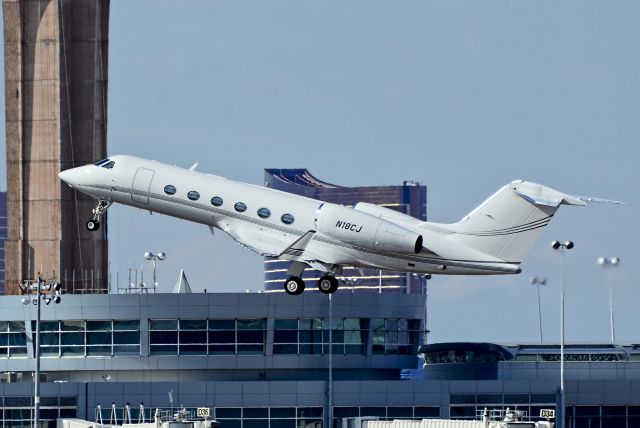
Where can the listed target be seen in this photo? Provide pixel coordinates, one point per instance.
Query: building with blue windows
(262, 360)
(256, 359)
(3, 236)
(410, 198)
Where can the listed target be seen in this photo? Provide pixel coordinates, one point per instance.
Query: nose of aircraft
(69, 176)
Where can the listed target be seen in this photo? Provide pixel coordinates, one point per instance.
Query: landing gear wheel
(294, 286)
(93, 225)
(328, 284)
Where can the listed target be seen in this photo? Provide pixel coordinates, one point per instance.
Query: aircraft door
(141, 185)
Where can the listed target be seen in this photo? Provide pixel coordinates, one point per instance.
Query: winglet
(193, 167)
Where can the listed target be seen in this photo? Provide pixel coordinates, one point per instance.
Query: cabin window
(240, 207)
(170, 189)
(287, 218)
(216, 201)
(264, 213)
(193, 195)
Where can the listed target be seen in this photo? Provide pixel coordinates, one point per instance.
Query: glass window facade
(201, 337)
(311, 336)
(240, 417)
(573, 357)
(207, 337)
(89, 338)
(463, 356)
(17, 411)
(394, 336)
(387, 413)
(576, 416)
(469, 406)
(13, 339)
(349, 336)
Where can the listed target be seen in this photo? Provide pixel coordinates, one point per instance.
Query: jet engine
(364, 230)
(387, 214)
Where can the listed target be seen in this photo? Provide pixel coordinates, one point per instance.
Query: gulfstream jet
(492, 239)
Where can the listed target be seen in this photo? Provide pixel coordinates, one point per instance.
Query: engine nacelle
(364, 230)
(388, 214)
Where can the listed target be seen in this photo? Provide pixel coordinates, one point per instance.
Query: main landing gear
(294, 285)
(328, 284)
(94, 223)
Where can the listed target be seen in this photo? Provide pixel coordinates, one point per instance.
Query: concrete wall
(55, 100)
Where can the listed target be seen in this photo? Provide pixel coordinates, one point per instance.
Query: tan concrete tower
(55, 54)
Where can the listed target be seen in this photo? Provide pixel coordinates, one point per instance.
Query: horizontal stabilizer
(601, 201)
(543, 195)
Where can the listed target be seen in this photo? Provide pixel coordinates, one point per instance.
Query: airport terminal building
(262, 360)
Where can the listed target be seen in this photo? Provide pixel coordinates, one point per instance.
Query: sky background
(462, 96)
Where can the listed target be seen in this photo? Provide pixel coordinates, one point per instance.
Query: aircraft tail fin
(509, 222)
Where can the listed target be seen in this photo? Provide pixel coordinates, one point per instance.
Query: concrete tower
(55, 54)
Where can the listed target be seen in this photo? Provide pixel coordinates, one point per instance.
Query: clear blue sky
(463, 96)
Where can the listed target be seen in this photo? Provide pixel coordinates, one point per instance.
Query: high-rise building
(55, 55)
(410, 198)
(3, 235)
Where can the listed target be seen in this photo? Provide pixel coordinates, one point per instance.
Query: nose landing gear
(94, 223)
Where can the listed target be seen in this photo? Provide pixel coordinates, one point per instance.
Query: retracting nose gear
(94, 223)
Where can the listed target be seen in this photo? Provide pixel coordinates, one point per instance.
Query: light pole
(610, 262)
(330, 386)
(424, 281)
(153, 258)
(557, 245)
(51, 292)
(539, 282)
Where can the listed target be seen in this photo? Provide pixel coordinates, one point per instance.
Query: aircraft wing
(297, 251)
(258, 239)
(274, 244)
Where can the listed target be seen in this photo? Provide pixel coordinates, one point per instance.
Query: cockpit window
(105, 163)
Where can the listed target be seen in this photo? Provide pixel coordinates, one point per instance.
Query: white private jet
(493, 239)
